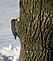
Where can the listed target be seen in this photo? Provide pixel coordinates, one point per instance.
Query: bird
(13, 28)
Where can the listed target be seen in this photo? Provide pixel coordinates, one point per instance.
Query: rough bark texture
(35, 30)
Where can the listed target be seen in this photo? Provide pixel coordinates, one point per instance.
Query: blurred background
(8, 9)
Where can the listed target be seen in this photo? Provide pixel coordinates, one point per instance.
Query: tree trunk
(35, 30)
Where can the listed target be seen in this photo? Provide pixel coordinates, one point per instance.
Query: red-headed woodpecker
(13, 28)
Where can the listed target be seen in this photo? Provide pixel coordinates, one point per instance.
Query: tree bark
(35, 30)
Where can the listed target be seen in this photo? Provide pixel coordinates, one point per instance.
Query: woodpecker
(13, 28)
